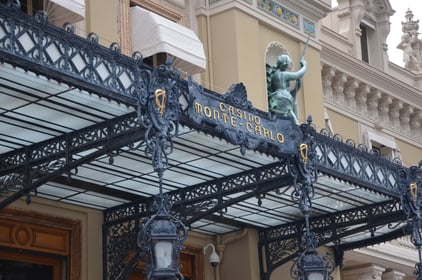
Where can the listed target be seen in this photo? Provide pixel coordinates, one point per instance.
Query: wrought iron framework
(31, 43)
(411, 201)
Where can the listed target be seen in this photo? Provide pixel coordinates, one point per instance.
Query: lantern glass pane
(163, 254)
(319, 275)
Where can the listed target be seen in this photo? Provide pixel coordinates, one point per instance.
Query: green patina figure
(281, 97)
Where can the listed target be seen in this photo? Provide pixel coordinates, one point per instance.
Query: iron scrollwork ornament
(158, 112)
(305, 175)
(411, 202)
(161, 236)
(304, 171)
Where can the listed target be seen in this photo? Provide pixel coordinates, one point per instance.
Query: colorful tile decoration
(309, 26)
(277, 10)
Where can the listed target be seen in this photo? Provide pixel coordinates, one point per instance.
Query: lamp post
(161, 236)
(308, 265)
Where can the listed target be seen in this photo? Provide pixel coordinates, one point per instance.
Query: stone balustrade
(369, 103)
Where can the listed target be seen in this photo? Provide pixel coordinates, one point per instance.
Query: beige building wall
(101, 18)
(344, 126)
(240, 258)
(237, 52)
(410, 153)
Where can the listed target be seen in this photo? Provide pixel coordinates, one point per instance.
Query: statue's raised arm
(282, 99)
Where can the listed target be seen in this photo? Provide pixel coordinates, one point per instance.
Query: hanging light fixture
(161, 241)
(308, 265)
(161, 236)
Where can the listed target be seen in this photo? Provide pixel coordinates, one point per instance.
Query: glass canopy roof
(34, 109)
(79, 142)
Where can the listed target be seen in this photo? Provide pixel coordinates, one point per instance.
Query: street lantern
(161, 240)
(314, 267)
(309, 265)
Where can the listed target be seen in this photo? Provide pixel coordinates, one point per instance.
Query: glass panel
(315, 276)
(163, 254)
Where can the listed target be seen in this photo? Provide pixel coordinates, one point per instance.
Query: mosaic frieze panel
(287, 15)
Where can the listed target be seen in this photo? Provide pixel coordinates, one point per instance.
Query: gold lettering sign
(160, 100)
(234, 118)
(239, 119)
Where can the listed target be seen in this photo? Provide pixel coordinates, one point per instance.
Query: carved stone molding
(393, 275)
(368, 272)
(406, 242)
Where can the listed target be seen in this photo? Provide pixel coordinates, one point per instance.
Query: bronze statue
(282, 98)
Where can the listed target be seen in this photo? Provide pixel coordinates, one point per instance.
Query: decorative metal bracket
(411, 201)
(304, 171)
(158, 111)
(305, 175)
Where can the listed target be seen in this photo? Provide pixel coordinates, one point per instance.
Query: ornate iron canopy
(69, 113)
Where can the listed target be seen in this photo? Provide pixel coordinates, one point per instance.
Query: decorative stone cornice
(367, 272)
